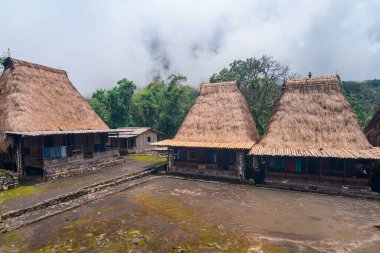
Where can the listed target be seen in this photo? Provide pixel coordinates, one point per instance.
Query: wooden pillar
(19, 156)
(344, 172)
(42, 146)
(170, 158)
(320, 170)
(118, 141)
(82, 139)
(370, 174)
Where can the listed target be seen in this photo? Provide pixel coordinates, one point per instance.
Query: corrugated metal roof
(45, 133)
(373, 153)
(194, 144)
(136, 130)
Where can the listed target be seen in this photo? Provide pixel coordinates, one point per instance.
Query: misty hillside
(364, 98)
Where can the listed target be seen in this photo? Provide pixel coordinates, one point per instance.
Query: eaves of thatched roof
(372, 130)
(220, 118)
(35, 98)
(313, 119)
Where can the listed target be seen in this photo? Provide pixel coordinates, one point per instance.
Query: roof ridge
(9, 62)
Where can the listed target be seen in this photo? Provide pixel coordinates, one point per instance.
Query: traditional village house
(216, 135)
(314, 137)
(135, 139)
(372, 131)
(46, 126)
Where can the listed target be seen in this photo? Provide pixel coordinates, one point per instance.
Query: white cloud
(100, 42)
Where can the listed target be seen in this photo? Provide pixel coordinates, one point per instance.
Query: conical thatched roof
(313, 119)
(220, 118)
(372, 130)
(39, 98)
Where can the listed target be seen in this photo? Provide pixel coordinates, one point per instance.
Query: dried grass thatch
(372, 130)
(220, 118)
(39, 98)
(313, 119)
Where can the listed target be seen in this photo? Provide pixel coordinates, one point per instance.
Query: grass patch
(18, 192)
(197, 232)
(147, 158)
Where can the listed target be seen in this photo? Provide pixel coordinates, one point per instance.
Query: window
(149, 139)
(192, 155)
(210, 157)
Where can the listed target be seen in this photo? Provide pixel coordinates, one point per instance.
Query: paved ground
(167, 214)
(48, 190)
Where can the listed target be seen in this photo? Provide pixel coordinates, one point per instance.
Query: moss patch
(146, 158)
(19, 192)
(199, 233)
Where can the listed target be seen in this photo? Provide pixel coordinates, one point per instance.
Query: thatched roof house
(220, 118)
(372, 130)
(38, 98)
(47, 128)
(313, 119)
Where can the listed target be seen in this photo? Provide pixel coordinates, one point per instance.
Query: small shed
(135, 139)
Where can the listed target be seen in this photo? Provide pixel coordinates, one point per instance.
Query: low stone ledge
(319, 189)
(81, 192)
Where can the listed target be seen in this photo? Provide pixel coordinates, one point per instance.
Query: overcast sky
(100, 42)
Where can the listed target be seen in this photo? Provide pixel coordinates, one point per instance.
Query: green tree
(2, 62)
(163, 104)
(114, 105)
(364, 98)
(259, 79)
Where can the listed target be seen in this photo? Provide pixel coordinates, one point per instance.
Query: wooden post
(118, 141)
(41, 146)
(82, 139)
(307, 169)
(18, 156)
(344, 172)
(370, 174)
(320, 170)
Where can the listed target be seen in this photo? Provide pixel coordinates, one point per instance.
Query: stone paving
(49, 190)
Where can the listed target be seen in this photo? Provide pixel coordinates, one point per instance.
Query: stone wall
(79, 167)
(8, 180)
(213, 173)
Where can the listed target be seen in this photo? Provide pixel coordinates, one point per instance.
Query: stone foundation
(212, 173)
(75, 168)
(8, 180)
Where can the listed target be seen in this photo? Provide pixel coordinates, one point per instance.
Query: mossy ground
(167, 214)
(147, 158)
(18, 192)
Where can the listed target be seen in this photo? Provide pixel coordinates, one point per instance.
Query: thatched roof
(38, 98)
(372, 130)
(220, 118)
(313, 119)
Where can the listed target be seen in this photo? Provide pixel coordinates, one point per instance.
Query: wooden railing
(33, 162)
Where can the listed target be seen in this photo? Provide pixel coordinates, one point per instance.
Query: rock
(178, 249)
(136, 240)
(5, 187)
